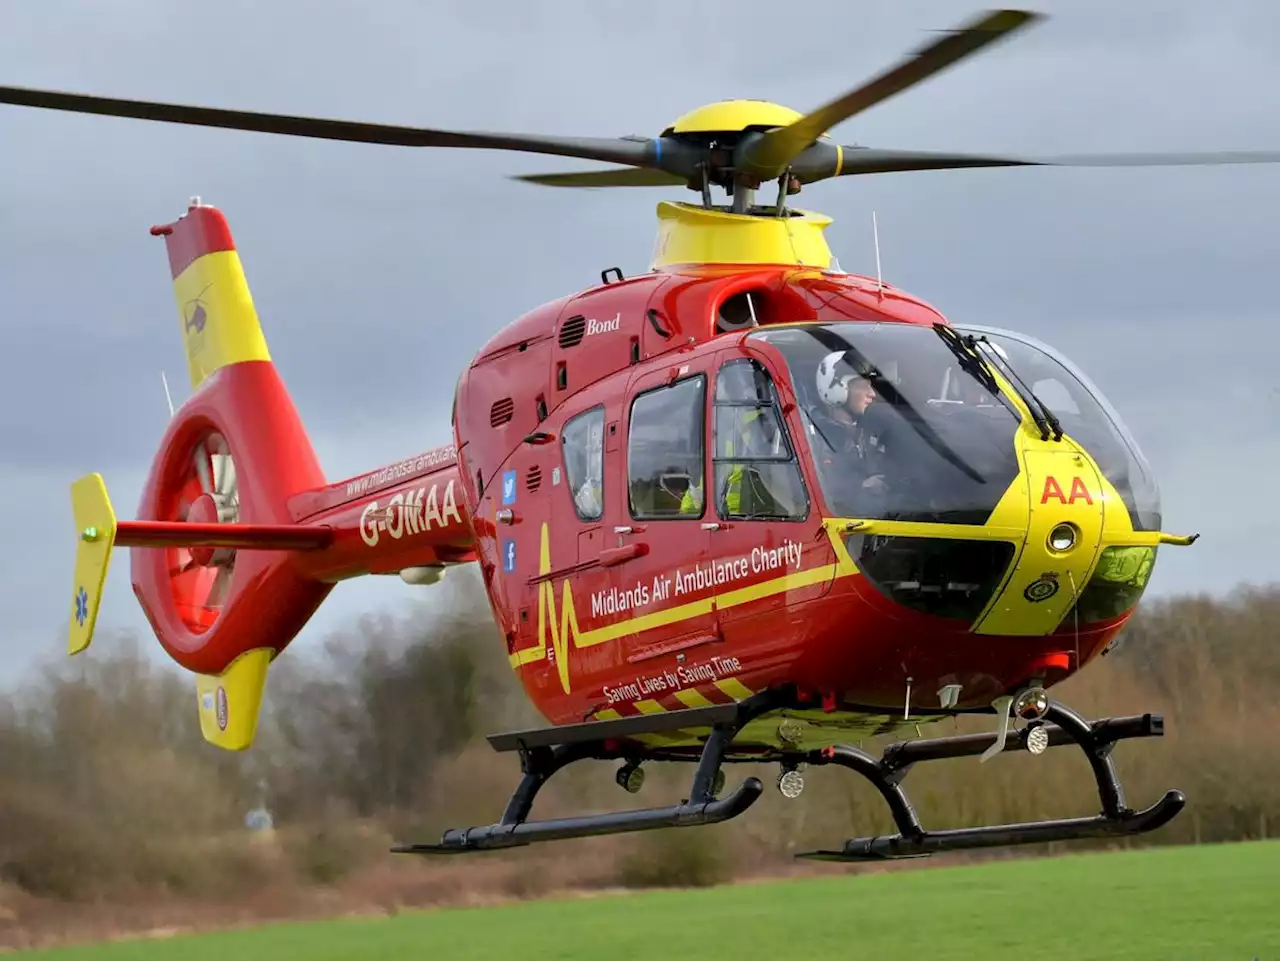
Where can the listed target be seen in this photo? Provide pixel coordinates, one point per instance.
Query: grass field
(1210, 902)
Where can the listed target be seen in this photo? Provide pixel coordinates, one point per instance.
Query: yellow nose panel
(1064, 489)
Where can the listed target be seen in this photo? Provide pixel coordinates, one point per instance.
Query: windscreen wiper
(974, 363)
(1050, 418)
(970, 360)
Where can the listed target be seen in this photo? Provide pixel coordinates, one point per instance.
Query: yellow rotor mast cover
(692, 234)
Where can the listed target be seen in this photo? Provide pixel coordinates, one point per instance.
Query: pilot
(846, 450)
(846, 393)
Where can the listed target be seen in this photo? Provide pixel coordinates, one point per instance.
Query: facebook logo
(508, 556)
(508, 487)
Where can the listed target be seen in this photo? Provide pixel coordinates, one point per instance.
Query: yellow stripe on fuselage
(219, 323)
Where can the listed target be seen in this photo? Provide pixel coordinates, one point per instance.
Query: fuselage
(583, 429)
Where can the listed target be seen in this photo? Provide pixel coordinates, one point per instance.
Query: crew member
(845, 450)
(740, 432)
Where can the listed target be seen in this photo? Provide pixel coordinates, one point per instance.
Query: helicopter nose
(1064, 500)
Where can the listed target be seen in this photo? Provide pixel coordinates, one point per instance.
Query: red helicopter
(741, 507)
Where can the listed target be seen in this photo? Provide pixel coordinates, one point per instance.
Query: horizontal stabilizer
(230, 702)
(99, 532)
(96, 524)
(262, 537)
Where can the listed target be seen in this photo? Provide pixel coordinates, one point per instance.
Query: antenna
(167, 395)
(752, 307)
(875, 234)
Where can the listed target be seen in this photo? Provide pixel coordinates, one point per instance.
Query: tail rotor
(201, 577)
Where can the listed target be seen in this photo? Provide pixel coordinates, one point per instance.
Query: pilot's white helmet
(833, 388)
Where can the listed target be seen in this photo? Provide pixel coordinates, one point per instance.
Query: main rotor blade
(622, 177)
(1161, 159)
(770, 154)
(606, 149)
(866, 160)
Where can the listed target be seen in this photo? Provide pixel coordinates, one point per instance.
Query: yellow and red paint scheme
(806, 612)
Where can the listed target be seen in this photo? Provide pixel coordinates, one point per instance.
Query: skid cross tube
(1063, 726)
(539, 763)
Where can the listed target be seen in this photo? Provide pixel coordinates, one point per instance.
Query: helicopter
(743, 507)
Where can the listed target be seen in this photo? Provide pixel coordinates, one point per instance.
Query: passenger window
(665, 450)
(757, 476)
(583, 445)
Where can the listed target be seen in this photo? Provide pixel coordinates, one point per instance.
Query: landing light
(1031, 704)
(1037, 740)
(790, 784)
(1062, 537)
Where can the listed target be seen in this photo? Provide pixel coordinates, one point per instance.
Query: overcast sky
(379, 271)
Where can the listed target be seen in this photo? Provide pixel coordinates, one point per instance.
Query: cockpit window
(1086, 418)
(900, 426)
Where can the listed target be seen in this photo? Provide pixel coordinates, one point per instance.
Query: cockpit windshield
(901, 425)
(1084, 415)
(906, 423)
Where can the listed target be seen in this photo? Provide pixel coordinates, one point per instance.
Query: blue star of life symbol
(82, 606)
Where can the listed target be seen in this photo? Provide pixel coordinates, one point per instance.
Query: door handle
(620, 555)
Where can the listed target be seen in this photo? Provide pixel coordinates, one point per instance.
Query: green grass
(1211, 902)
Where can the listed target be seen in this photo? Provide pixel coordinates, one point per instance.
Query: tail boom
(406, 517)
(284, 537)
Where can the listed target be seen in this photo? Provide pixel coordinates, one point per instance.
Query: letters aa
(1053, 491)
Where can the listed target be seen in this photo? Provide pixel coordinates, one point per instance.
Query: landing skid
(1060, 725)
(544, 752)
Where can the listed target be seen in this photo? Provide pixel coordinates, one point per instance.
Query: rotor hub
(733, 116)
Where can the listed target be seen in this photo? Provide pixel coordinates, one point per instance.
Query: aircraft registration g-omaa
(744, 506)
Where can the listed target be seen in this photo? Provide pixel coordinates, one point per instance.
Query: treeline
(108, 794)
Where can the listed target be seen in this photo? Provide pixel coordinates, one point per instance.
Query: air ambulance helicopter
(742, 507)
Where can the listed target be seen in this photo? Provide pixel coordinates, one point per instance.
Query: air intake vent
(501, 411)
(533, 479)
(572, 331)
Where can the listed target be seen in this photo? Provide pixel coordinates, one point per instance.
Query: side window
(583, 446)
(756, 473)
(665, 455)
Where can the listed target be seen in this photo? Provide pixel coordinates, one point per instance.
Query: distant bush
(676, 858)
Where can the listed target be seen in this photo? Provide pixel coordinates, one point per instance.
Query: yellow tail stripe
(219, 323)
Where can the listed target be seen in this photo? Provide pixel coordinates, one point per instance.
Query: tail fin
(213, 564)
(96, 522)
(219, 323)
